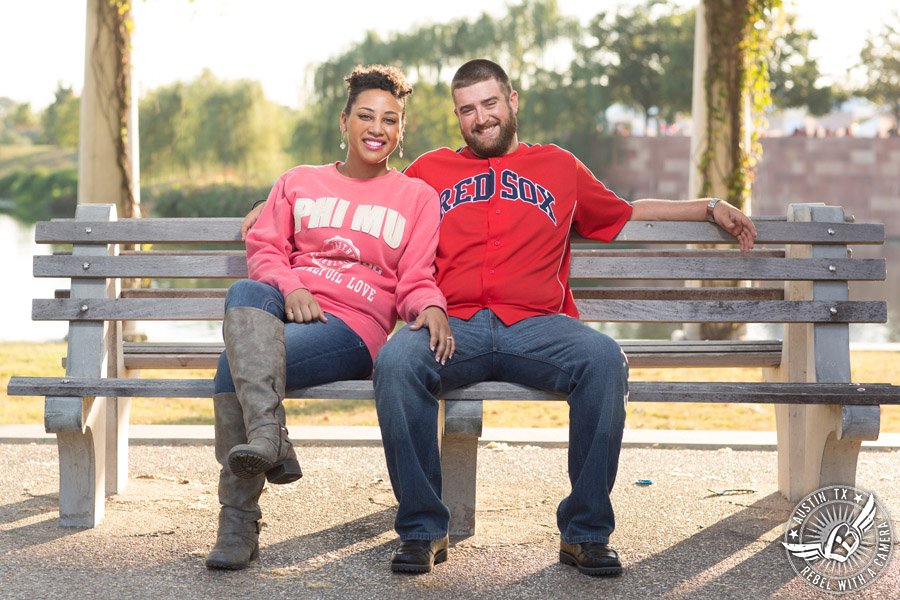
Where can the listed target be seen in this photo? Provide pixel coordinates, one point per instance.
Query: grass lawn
(40, 359)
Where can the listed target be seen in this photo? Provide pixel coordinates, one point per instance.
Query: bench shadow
(40, 532)
(737, 557)
(329, 549)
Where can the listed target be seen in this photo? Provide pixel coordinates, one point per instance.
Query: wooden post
(101, 179)
(105, 177)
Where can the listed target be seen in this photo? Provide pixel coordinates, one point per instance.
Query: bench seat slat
(656, 346)
(646, 353)
(639, 391)
(587, 293)
(227, 230)
(636, 360)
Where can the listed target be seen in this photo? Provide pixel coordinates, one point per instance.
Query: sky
(274, 41)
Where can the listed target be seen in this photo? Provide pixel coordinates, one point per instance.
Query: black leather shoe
(418, 556)
(591, 558)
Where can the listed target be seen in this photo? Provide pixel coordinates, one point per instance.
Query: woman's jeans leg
(316, 352)
(553, 353)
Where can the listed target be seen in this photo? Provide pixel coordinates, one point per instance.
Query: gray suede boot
(237, 542)
(254, 343)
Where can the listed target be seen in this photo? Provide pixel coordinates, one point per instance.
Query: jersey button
(496, 242)
(491, 271)
(497, 211)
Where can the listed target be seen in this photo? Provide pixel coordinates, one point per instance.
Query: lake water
(17, 247)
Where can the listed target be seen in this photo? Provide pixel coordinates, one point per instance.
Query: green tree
(518, 39)
(211, 124)
(61, 120)
(794, 75)
(40, 194)
(645, 57)
(17, 122)
(22, 117)
(880, 58)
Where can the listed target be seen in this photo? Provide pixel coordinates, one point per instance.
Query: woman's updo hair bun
(377, 77)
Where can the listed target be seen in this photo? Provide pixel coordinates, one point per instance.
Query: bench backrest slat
(204, 266)
(635, 311)
(227, 230)
(145, 231)
(746, 267)
(234, 265)
(654, 311)
(768, 232)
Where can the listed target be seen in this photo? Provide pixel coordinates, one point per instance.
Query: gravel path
(330, 535)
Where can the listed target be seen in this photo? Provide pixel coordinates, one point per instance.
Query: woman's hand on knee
(301, 306)
(441, 341)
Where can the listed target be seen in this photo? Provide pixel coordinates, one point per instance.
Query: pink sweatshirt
(363, 247)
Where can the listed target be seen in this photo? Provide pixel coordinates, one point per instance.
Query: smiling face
(374, 126)
(487, 118)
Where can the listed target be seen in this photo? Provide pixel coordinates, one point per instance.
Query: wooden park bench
(797, 276)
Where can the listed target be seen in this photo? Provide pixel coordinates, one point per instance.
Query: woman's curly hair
(377, 77)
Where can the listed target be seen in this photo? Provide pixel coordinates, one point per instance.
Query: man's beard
(499, 145)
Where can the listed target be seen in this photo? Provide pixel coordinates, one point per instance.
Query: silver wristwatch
(709, 209)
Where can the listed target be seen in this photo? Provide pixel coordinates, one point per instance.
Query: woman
(338, 251)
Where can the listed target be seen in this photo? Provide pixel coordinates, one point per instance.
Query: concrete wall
(860, 174)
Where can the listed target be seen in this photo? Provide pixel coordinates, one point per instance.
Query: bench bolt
(86, 266)
(831, 231)
(832, 310)
(84, 308)
(88, 230)
(832, 268)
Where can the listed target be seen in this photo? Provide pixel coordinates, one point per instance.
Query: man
(507, 209)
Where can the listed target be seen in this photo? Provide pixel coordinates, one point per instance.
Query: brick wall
(860, 174)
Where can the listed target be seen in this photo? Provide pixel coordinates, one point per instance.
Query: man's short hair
(478, 70)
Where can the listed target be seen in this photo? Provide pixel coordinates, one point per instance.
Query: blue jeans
(554, 353)
(316, 352)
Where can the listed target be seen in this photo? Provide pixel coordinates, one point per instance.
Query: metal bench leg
(459, 424)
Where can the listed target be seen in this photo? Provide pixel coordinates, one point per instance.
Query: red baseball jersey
(505, 223)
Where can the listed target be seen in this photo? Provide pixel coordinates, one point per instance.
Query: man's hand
(250, 219)
(736, 223)
(301, 306)
(442, 343)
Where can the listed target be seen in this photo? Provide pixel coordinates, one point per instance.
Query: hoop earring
(343, 145)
